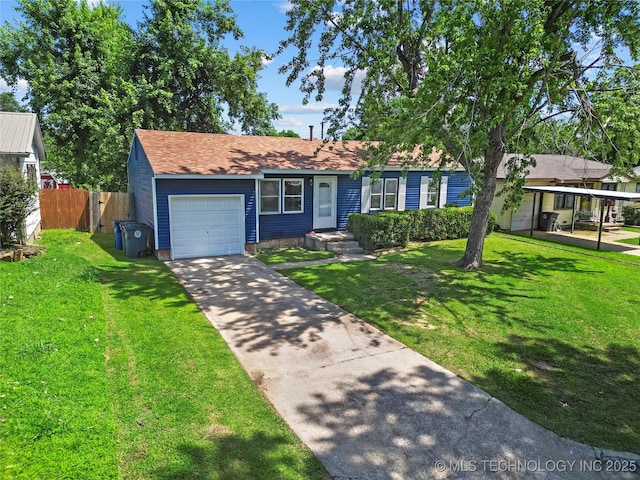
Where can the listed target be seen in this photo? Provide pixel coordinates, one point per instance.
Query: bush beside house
(16, 203)
(631, 214)
(391, 229)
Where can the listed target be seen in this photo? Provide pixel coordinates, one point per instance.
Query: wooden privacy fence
(82, 210)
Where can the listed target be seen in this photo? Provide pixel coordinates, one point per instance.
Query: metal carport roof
(584, 192)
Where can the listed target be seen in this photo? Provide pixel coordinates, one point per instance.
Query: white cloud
(283, 7)
(266, 59)
(288, 122)
(20, 89)
(309, 109)
(334, 78)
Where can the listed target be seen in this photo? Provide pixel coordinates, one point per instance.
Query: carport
(583, 192)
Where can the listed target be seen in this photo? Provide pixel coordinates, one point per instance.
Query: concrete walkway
(366, 405)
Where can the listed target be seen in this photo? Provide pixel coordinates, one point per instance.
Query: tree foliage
(16, 203)
(470, 77)
(93, 79)
(187, 77)
(8, 103)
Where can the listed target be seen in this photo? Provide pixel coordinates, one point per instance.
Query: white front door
(325, 199)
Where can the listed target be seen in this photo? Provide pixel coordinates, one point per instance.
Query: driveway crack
(363, 356)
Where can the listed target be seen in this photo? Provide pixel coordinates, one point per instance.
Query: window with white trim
(293, 193)
(270, 196)
(390, 193)
(433, 193)
(376, 195)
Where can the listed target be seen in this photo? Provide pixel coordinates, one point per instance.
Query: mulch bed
(15, 253)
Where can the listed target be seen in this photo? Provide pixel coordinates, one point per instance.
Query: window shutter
(365, 197)
(442, 199)
(424, 191)
(402, 193)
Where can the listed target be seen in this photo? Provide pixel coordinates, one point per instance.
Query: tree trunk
(472, 258)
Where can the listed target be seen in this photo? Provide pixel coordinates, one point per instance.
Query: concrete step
(344, 250)
(320, 241)
(335, 236)
(343, 247)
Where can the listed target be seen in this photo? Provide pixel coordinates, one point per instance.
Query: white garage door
(521, 220)
(206, 225)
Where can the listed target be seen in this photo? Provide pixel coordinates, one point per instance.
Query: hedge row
(391, 229)
(631, 214)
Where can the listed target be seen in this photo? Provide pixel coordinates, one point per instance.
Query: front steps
(336, 242)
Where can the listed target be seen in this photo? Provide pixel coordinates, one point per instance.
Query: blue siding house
(215, 194)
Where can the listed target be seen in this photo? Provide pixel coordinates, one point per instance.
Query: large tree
(93, 79)
(188, 80)
(75, 59)
(468, 76)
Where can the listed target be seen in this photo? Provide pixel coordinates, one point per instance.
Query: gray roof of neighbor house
(560, 168)
(187, 153)
(18, 132)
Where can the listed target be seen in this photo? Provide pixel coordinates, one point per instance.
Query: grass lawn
(108, 370)
(552, 333)
(631, 241)
(296, 254)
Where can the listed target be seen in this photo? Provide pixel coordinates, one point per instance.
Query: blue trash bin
(117, 234)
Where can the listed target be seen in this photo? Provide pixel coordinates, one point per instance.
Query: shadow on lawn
(581, 393)
(231, 457)
(137, 277)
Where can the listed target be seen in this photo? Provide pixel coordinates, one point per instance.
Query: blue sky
(262, 22)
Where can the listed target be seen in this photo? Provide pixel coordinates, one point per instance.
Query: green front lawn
(552, 333)
(293, 254)
(108, 370)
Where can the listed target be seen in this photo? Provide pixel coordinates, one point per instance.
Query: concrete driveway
(366, 405)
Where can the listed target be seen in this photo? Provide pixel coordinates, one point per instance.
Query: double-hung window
(270, 195)
(390, 193)
(293, 189)
(281, 195)
(376, 195)
(432, 193)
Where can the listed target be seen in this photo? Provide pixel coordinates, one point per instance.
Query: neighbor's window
(390, 193)
(376, 195)
(31, 174)
(563, 201)
(270, 195)
(293, 195)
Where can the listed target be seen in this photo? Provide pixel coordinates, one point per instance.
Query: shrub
(391, 229)
(16, 203)
(631, 214)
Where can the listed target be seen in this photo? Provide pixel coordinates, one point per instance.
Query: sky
(262, 22)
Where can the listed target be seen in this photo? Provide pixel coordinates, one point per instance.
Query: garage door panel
(206, 225)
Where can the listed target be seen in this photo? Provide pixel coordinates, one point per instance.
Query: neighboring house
(558, 170)
(21, 146)
(51, 181)
(635, 182)
(214, 194)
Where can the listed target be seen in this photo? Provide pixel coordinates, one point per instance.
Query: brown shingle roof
(220, 154)
(562, 168)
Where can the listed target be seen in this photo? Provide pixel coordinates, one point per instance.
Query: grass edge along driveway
(552, 333)
(108, 370)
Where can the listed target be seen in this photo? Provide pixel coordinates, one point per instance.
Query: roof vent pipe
(310, 132)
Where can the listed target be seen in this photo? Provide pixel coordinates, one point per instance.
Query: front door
(325, 197)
